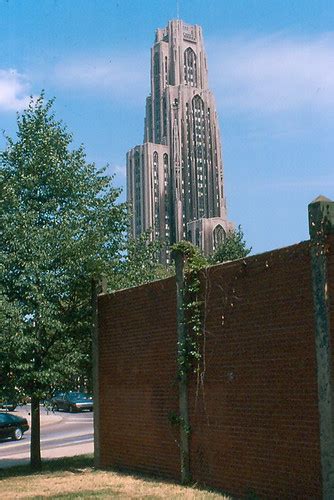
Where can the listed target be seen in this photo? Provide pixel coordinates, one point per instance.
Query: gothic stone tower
(175, 179)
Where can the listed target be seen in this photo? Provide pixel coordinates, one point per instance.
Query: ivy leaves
(189, 350)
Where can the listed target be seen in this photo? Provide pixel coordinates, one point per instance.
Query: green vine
(189, 353)
(176, 420)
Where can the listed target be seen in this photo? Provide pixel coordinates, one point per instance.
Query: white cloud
(14, 90)
(123, 76)
(273, 73)
(278, 72)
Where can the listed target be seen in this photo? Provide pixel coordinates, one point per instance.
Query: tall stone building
(175, 179)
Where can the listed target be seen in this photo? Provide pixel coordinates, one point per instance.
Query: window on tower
(197, 237)
(218, 236)
(200, 153)
(166, 71)
(166, 183)
(190, 67)
(138, 225)
(156, 73)
(156, 194)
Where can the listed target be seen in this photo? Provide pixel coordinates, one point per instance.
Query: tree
(139, 264)
(234, 247)
(62, 226)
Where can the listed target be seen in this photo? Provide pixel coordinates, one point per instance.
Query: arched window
(190, 67)
(156, 194)
(197, 237)
(200, 155)
(138, 221)
(164, 115)
(166, 190)
(166, 71)
(156, 75)
(218, 236)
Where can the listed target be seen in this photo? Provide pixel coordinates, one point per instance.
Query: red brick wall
(256, 421)
(253, 410)
(137, 367)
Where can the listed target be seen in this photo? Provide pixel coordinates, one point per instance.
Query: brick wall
(137, 366)
(254, 409)
(256, 421)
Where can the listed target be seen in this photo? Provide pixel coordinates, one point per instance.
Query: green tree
(61, 226)
(139, 263)
(234, 247)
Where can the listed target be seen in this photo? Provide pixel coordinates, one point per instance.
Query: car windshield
(77, 395)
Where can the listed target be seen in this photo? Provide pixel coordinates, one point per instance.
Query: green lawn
(76, 478)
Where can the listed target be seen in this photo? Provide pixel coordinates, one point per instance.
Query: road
(62, 434)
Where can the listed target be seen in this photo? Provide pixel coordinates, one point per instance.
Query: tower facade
(175, 179)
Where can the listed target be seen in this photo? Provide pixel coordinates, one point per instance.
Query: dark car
(8, 405)
(72, 401)
(12, 426)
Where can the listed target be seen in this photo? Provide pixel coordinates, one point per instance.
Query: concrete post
(321, 224)
(182, 375)
(98, 286)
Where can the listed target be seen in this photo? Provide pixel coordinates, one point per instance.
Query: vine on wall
(189, 353)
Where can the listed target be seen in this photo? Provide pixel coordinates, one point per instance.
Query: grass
(75, 478)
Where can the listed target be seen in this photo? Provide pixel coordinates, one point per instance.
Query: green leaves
(234, 247)
(189, 350)
(139, 263)
(61, 225)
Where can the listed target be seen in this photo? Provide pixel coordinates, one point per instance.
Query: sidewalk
(47, 417)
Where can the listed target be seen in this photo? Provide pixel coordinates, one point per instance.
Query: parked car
(12, 426)
(8, 405)
(72, 401)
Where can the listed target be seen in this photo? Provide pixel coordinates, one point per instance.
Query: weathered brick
(254, 409)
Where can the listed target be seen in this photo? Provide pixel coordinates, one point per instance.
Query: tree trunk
(35, 443)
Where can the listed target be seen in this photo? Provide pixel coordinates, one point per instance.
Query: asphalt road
(62, 435)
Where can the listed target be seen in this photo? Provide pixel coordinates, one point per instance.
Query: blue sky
(271, 67)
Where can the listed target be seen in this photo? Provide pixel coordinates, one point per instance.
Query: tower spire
(174, 179)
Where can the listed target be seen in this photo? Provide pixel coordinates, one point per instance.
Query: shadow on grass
(80, 463)
(73, 464)
(156, 478)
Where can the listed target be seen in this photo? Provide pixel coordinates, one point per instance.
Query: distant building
(175, 179)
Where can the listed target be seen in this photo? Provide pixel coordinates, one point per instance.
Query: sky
(271, 68)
